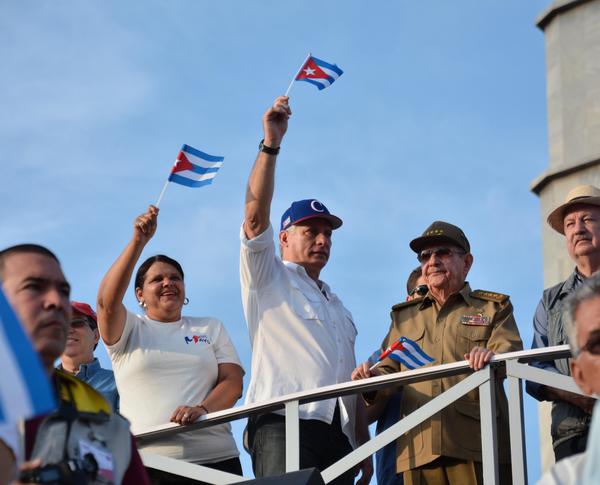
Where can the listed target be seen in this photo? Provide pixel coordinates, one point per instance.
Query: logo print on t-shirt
(197, 338)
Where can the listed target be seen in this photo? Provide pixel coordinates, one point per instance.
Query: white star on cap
(308, 71)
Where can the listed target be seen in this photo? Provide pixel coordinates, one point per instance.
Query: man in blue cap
(302, 335)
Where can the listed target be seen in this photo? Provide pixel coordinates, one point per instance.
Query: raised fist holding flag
(275, 122)
(145, 225)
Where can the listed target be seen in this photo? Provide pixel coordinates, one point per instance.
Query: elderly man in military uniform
(450, 323)
(578, 219)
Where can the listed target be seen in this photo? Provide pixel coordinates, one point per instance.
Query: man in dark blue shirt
(78, 358)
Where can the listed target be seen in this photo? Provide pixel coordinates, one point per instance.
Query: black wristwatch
(270, 150)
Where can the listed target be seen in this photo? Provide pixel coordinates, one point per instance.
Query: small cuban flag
(194, 168)
(320, 73)
(407, 352)
(25, 389)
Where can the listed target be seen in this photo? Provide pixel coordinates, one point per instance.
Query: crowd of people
(171, 367)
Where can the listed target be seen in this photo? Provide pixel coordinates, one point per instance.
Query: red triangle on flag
(310, 70)
(182, 163)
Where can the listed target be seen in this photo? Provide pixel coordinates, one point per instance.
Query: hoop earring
(142, 303)
(186, 300)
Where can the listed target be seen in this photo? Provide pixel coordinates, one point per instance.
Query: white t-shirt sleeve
(224, 350)
(258, 262)
(119, 348)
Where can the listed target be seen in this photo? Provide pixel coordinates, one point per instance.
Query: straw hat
(582, 194)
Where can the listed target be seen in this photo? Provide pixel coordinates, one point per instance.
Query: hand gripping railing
(515, 364)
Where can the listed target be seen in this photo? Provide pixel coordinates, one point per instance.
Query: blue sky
(440, 114)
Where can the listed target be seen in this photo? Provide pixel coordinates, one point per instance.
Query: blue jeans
(321, 445)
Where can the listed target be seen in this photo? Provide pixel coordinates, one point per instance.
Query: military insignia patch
(478, 319)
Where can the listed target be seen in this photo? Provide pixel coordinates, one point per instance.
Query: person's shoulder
(406, 305)
(202, 321)
(210, 327)
(104, 372)
(487, 295)
(84, 397)
(558, 291)
(135, 318)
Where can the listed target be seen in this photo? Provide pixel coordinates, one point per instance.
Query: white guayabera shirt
(302, 338)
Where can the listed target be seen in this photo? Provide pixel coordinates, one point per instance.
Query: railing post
(515, 418)
(489, 442)
(292, 437)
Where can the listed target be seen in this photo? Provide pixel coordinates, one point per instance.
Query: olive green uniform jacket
(467, 319)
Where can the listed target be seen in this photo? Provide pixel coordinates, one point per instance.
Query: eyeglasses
(80, 323)
(420, 290)
(426, 254)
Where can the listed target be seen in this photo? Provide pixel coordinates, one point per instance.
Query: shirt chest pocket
(474, 333)
(469, 336)
(414, 333)
(306, 306)
(556, 329)
(349, 326)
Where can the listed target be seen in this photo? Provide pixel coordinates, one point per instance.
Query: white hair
(289, 230)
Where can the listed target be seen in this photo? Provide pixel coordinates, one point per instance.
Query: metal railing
(515, 365)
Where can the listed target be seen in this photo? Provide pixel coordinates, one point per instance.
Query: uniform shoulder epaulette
(489, 296)
(85, 398)
(404, 304)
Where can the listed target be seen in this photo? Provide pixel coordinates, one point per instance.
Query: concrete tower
(572, 35)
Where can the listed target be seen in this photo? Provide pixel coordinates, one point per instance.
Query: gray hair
(289, 230)
(588, 291)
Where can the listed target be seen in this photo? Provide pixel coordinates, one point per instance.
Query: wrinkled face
(586, 367)
(445, 267)
(163, 290)
(37, 289)
(582, 231)
(308, 243)
(81, 339)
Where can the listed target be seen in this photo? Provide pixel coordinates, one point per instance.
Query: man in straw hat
(578, 219)
(450, 323)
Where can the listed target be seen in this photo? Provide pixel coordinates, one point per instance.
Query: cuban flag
(194, 168)
(407, 352)
(25, 389)
(318, 72)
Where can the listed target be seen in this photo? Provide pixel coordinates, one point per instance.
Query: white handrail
(513, 362)
(351, 387)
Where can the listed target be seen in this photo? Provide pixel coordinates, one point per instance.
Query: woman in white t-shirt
(168, 367)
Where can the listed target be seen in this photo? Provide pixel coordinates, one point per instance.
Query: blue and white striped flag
(25, 389)
(194, 168)
(407, 352)
(318, 72)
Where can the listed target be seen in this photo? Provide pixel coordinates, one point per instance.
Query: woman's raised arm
(111, 311)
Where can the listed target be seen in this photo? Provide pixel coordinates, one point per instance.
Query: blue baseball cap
(302, 210)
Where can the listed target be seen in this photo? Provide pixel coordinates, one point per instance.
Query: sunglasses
(426, 254)
(420, 290)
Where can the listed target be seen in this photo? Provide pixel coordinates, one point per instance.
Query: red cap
(85, 310)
